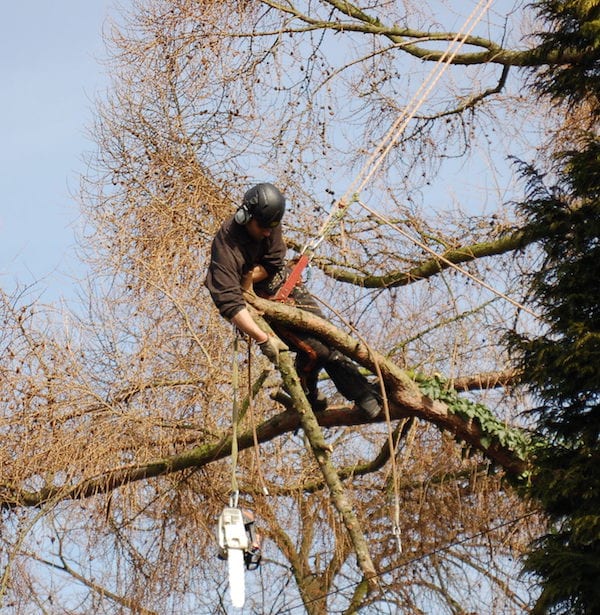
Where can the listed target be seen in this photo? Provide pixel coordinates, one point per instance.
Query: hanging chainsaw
(238, 540)
(240, 545)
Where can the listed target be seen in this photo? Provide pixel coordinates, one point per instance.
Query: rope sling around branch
(385, 145)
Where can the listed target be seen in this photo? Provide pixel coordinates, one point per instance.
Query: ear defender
(242, 215)
(263, 203)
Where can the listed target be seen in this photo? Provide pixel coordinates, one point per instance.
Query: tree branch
(404, 398)
(432, 266)
(322, 452)
(485, 380)
(128, 603)
(363, 23)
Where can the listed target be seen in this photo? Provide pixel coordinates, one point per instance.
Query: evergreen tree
(562, 365)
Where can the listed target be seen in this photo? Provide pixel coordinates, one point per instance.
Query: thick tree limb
(197, 457)
(486, 380)
(410, 40)
(205, 454)
(404, 395)
(433, 266)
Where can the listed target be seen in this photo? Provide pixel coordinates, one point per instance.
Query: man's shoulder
(226, 227)
(229, 233)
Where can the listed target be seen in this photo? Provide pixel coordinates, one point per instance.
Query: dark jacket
(233, 254)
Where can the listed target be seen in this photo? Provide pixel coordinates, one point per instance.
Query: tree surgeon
(249, 250)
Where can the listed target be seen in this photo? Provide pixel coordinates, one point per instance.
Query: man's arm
(243, 319)
(245, 323)
(225, 287)
(269, 345)
(259, 273)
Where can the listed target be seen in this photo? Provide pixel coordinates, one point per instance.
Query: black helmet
(265, 204)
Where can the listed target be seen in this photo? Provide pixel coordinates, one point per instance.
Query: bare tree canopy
(117, 419)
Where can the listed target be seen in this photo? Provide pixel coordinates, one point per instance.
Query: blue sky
(50, 70)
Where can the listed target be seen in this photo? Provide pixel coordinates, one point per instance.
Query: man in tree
(249, 249)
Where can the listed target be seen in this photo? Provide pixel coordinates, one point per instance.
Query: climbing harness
(239, 542)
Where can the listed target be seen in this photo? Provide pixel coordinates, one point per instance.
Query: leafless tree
(117, 420)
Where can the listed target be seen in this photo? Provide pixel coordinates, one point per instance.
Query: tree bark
(403, 393)
(322, 452)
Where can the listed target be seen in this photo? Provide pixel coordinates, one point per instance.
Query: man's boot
(351, 383)
(307, 369)
(317, 400)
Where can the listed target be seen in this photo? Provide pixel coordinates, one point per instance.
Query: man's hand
(271, 348)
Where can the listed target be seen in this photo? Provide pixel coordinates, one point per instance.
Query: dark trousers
(312, 355)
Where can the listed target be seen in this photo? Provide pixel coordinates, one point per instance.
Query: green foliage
(494, 431)
(573, 36)
(571, 572)
(561, 365)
